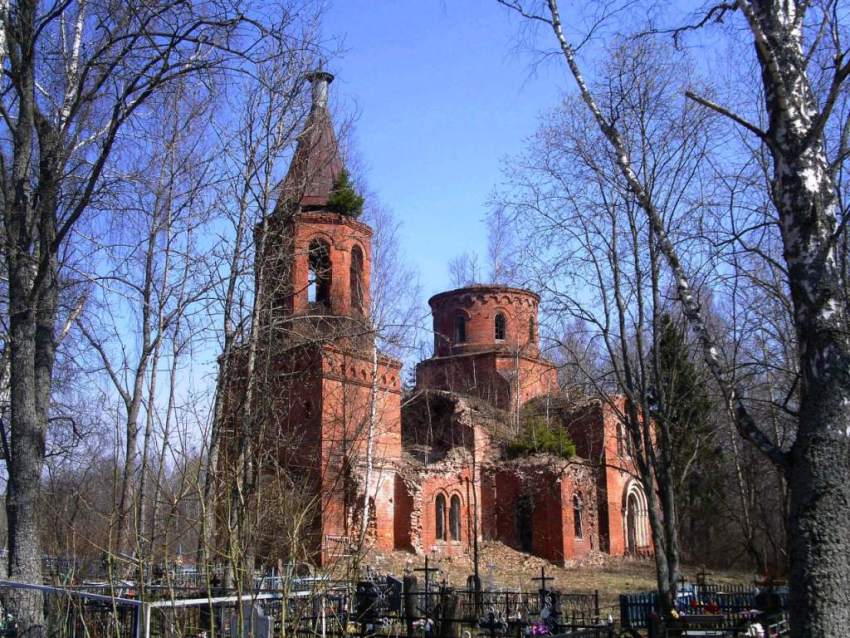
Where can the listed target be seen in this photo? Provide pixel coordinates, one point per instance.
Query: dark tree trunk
(27, 450)
(33, 294)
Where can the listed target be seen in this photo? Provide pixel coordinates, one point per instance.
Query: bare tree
(589, 250)
(149, 271)
(396, 313)
(75, 74)
(800, 100)
(464, 270)
(500, 263)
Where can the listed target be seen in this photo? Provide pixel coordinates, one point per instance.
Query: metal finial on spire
(320, 80)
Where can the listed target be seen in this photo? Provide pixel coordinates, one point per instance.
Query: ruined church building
(434, 474)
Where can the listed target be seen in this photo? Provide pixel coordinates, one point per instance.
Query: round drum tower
(479, 318)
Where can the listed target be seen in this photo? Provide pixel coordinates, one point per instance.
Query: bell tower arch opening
(320, 274)
(459, 328)
(440, 517)
(578, 528)
(454, 517)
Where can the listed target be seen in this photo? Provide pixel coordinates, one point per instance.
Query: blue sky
(442, 96)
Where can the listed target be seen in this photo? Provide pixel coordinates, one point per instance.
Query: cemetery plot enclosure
(379, 606)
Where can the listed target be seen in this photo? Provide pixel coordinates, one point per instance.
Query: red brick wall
(480, 305)
(403, 513)
(287, 258)
(474, 374)
(536, 377)
(488, 517)
(579, 479)
(346, 402)
(620, 472)
(548, 517)
(314, 413)
(595, 431)
(508, 487)
(550, 487)
(449, 485)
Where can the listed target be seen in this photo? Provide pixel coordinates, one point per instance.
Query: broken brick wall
(450, 479)
(532, 504)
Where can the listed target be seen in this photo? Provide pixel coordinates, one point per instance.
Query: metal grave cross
(543, 578)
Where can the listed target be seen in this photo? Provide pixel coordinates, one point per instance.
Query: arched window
(531, 331)
(440, 517)
(319, 277)
(501, 326)
(454, 518)
(460, 329)
(577, 523)
(355, 277)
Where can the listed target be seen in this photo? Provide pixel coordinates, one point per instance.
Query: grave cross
(543, 578)
(427, 593)
(428, 571)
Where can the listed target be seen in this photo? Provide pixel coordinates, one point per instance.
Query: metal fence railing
(326, 609)
(727, 607)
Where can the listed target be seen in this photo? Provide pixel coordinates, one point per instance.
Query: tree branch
(722, 110)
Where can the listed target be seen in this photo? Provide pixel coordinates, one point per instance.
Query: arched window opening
(460, 329)
(355, 276)
(454, 518)
(440, 517)
(577, 522)
(319, 277)
(501, 326)
(531, 330)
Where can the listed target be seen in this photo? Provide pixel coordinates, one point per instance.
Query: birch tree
(267, 126)
(799, 50)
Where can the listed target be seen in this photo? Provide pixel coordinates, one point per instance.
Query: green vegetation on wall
(539, 437)
(344, 199)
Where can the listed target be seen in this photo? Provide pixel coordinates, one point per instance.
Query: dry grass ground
(503, 567)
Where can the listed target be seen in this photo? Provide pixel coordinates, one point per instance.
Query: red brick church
(432, 475)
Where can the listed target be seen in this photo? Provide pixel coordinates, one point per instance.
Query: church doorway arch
(635, 518)
(631, 524)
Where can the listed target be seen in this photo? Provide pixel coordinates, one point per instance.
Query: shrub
(539, 437)
(344, 199)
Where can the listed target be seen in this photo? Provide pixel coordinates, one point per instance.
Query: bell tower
(314, 262)
(333, 401)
